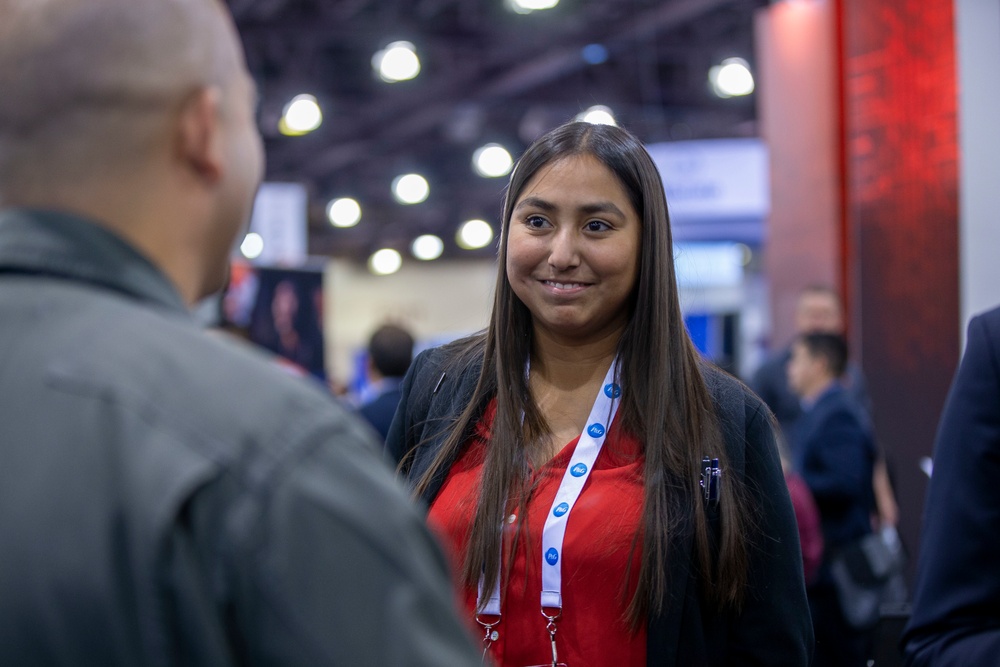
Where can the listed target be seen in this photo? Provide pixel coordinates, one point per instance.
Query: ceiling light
(732, 78)
(301, 116)
(410, 188)
(492, 161)
(528, 6)
(597, 115)
(474, 234)
(397, 62)
(427, 247)
(385, 261)
(252, 246)
(343, 212)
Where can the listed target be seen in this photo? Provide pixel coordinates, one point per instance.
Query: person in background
(819, 310)
(561, 450)
(390, 352)
(167, 496)
(806, 517)
(835, 456)
(956, 607)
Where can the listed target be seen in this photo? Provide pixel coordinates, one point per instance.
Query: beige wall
(433, 300)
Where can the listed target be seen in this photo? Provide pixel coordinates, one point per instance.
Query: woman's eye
(535, 221)
(597, 226)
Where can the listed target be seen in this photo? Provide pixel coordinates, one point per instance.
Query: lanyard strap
(602, 414)
(576, 476)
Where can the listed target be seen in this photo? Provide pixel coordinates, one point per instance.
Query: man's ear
(199, 141)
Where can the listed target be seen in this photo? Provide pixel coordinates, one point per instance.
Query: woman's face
(573, 249)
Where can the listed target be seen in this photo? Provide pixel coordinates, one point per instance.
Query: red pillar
(865, 197)
(901, 214)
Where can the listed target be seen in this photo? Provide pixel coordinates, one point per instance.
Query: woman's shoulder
(451, 359)
(730, 393)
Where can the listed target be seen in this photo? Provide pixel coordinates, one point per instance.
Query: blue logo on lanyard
(552, 556)
(612, 390)
(595, 430)
(579, 470)
(561, 508)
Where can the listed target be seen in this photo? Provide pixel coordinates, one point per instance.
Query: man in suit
(390, 352)
(168, 497)
(956, 608)
(835, 456)
(819, 310)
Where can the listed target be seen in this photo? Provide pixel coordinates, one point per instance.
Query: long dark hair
(668, 406)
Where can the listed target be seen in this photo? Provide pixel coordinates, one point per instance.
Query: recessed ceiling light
(410, 188)
(397, 62)
(492, 161)
(427, 247)
(474, 234)
(597, 115)
(343, 212)
(385, 261)
(252, 246)
(732, 78)
(301, 116)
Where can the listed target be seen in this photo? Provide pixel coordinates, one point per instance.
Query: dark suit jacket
(956, 609)
(774, 627)
(379, 411)
(770, 382)
(835, 457)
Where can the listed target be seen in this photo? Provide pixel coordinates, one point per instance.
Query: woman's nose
(564, 252)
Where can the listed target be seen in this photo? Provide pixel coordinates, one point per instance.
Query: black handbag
(868, 573)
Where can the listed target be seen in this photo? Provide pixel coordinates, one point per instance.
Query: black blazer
(956, 608)
(774, 627)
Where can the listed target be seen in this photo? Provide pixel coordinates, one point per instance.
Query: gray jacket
(170, 497)
(774, 627)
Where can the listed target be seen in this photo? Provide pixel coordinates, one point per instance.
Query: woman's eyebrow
(586, 209)
(535, 202)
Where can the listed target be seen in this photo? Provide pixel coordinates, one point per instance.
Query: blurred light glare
(301, 116)
(597, 115)
(594, 54)
(492, 161)
(397, 62)
(343, 212)
(252, 246)
(427, 247)
(385, 261)
(732, 78)
(528, 6)
(410, 188)
(747, 253)
(474, 234)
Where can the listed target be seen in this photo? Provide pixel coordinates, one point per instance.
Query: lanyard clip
(711, 477)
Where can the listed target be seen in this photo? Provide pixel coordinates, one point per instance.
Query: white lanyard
(573, 481)
(577, 472)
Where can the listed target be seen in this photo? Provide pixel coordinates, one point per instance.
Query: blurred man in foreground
(956, 607)
(166, 497)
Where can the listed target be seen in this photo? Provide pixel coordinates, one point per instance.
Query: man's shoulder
(217, 388)
(989, 323)
(772, 369)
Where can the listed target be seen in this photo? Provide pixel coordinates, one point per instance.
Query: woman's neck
(569, 364)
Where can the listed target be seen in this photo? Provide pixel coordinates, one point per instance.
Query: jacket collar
(67, 246)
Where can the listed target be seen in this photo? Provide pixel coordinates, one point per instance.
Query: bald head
(819, 311)
(88, 84)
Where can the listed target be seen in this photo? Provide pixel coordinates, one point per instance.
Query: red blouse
(597, 549)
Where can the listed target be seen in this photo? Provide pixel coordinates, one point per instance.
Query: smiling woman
(573, 251)
(591, 510)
